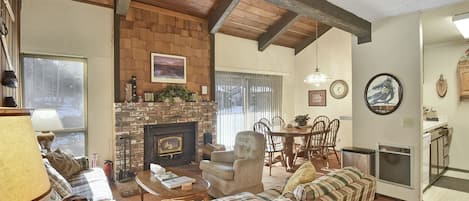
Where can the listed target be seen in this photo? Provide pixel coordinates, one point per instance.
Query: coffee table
(148, 183)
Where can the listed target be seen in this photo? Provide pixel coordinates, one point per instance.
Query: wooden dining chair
(278, 121)
(322, 118)
(317, 139)
(314, 142)
(331, 138)
(273, 144)
(265, 121)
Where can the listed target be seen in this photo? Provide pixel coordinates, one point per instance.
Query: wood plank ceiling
(250, 19)
(258, 20)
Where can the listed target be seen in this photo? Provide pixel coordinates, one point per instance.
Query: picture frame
(383, 94)
(167, 68)
(317, 98)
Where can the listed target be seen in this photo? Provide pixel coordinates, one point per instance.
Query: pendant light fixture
(316, 77)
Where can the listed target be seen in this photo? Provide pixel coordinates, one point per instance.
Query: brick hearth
(130, 118)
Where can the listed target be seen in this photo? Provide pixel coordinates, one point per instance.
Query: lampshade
(46, 120)
(462, 23)
(22, 172)
(316, 78)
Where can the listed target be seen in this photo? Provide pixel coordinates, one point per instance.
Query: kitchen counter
(431, 125)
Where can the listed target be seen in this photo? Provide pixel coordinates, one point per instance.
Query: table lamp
(23, 174)
(46, 121)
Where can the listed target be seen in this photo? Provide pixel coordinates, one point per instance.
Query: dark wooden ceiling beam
(276, 29)
(218, 16)
(122, 6)
(330, 14)
(322, 29)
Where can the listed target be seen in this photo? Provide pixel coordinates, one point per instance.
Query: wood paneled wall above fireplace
(148, 29)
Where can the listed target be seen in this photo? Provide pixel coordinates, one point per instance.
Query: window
(242, 100)
(58, 83)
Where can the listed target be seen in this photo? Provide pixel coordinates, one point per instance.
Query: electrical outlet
(408, 122)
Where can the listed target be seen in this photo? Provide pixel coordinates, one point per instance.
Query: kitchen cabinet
(463, 71)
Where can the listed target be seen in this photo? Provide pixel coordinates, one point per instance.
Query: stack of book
(168, 178)
(177, 182)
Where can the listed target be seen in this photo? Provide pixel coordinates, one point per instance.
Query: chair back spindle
(270, 140)
(332, 130)
(317, 139)
(265, 121)
(278, 121)
(323, 118)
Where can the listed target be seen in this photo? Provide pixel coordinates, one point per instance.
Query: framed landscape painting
(168, 68)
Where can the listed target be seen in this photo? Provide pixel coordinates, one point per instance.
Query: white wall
(442, 58)
(66, 27)
(335, 60)
(395, 48)
(235, 54)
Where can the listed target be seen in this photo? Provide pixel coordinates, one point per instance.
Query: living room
(98, 64)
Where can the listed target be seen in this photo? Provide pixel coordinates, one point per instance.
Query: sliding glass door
(242, 100)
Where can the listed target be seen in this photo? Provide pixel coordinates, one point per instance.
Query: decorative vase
(9, 79)
(9, 102)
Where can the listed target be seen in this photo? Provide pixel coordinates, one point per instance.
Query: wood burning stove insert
(169, 144)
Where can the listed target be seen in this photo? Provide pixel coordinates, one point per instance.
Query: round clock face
(338, 89)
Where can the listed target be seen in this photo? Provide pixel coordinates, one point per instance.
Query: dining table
(289, 133)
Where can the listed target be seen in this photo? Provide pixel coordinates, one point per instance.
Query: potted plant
(174, 93)
(302, 120)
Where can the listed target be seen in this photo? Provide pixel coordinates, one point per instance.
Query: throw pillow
(83, 161)
(57, 181)
(64, 163)
(306, 173)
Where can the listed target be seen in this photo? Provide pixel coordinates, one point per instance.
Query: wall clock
(338, 89)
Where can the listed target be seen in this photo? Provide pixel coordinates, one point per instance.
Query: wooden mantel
(6, 111)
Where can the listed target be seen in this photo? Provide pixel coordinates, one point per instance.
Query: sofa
(88, 184)
(347, 184)
(240, 170)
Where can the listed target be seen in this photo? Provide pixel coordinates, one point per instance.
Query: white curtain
(242, 100)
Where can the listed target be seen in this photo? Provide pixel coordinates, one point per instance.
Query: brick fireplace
(133, 119)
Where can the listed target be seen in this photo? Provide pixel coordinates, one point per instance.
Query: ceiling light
(316, 77)
(462, 23)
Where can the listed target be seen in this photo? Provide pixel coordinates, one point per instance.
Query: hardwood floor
(279, 176)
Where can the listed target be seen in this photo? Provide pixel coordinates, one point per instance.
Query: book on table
(177, 182)
(166, 176)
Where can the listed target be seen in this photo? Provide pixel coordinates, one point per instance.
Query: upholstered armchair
(240, 170)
